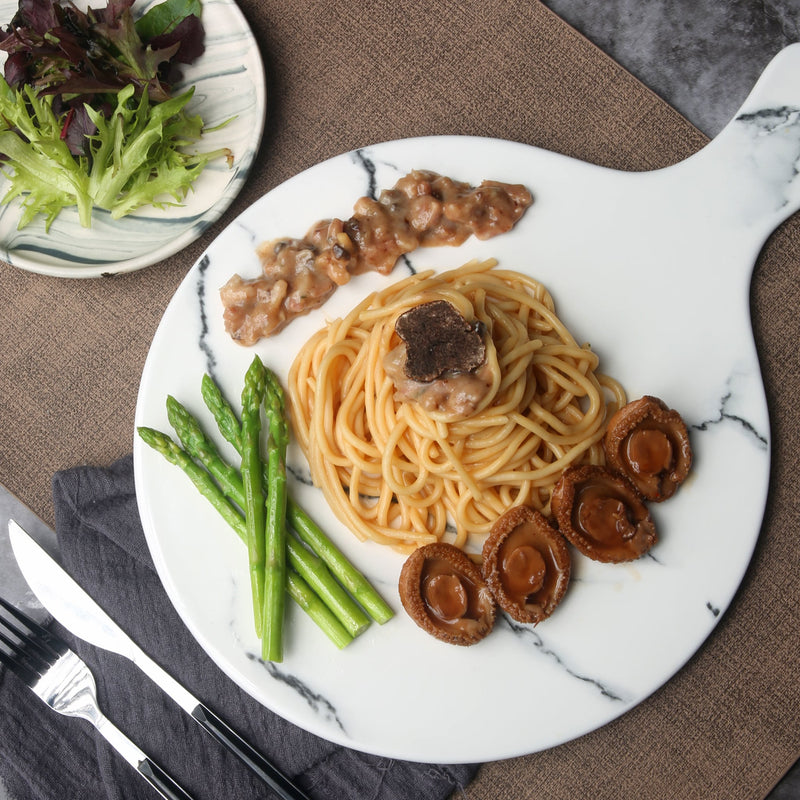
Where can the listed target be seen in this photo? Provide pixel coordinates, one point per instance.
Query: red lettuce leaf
(57, 48)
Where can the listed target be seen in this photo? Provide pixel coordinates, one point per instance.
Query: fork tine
(8, 660)
(16, 661)
(33, 651)
(34, 627)
(45, 636)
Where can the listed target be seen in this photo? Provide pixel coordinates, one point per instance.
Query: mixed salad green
(87, 116)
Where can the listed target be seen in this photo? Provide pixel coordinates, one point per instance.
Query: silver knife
(15, 588)
(79, 613)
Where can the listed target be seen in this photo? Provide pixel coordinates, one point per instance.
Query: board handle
(778, 88)
(754, 162)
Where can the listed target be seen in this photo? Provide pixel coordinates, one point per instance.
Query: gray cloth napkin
(43, 755)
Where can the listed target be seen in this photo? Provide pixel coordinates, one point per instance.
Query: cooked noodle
(392, 472)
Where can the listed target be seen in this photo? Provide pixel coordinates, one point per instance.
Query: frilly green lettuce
(135, 158)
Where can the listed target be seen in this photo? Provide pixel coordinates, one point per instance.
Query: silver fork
(59, 677)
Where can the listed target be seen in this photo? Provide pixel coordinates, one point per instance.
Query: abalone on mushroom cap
(526, 563)
(602, 514)
(648, 442)
(443, 591)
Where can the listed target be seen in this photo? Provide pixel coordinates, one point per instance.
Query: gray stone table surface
(700, 56)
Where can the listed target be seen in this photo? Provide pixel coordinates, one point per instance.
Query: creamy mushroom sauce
(423, 209)
(457, 395)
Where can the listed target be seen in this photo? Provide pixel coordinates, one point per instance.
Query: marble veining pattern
(725, 416)
(528, 633)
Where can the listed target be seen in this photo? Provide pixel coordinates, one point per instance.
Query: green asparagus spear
(309, 601)
(175, 454)
(224, 415)
(254, 511)
(298, 589)
(309, 565)
(275, 533)
(199, 446)
(352, 579)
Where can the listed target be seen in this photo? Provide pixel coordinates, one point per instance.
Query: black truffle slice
(439, 340)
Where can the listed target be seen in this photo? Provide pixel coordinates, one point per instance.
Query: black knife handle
(162, 782)
(268, 772)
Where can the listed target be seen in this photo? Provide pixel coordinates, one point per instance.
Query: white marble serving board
(653, 269)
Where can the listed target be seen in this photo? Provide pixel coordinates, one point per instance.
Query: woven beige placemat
(342, 75)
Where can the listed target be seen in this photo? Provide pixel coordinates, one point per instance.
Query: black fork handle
(167, 787)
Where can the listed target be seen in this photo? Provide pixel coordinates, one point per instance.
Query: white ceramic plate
(653, 269)
(229, 81)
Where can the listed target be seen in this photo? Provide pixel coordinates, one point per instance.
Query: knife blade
(75, 609)
(15, 588)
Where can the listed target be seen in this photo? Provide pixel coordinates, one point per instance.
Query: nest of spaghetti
(407, 462)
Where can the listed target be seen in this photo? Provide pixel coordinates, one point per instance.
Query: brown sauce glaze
(443, 591)
(423, 209)
(602, 514)
(648, 443)
(527, 565)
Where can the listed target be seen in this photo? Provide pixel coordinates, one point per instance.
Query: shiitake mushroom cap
(648, 442)
(527, 564)
(602, 514)
(472, 615)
